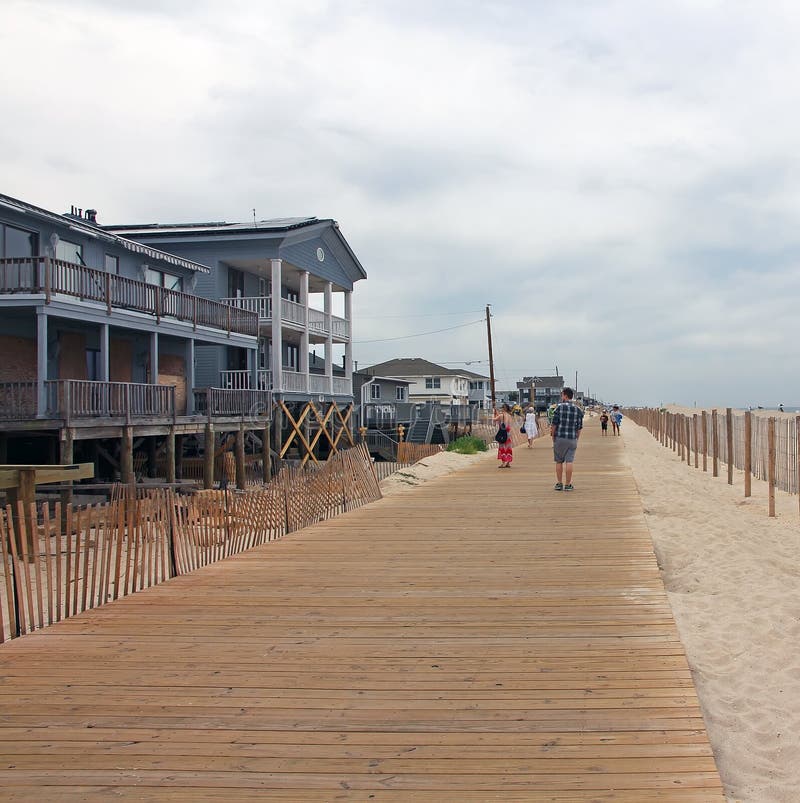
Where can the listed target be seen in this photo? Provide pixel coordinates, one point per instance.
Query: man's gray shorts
(564, 449)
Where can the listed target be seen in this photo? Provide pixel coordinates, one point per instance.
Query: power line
(418, 334)
(420, 315)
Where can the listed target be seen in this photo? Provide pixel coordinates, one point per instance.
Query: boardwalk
(483, 638)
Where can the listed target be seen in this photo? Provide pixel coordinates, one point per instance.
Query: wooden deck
(483, 638)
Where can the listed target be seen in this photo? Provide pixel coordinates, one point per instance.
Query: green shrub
(467, 444)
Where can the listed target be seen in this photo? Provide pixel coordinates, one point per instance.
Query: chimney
(91, 215)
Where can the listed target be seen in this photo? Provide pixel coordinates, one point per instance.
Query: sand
(431, 467)
(733, 579)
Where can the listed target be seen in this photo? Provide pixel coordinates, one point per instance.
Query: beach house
(101, 337)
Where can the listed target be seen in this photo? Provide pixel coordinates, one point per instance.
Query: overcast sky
(620, 180)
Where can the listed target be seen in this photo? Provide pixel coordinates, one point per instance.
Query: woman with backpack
(505, 451)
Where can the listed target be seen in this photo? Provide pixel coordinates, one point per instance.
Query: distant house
(428, 382)
(480, 390)
(546, 390)
(382, 400)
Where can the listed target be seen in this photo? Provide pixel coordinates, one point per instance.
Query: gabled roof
(414, 366)
(88, 229)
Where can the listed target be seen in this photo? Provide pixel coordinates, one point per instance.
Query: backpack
(502, 433)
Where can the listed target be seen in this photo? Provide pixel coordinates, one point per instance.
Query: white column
(189, 371)
(329, 338)
(277, 335)
(252, 362)
(105, 372)
(41, 362)
(304, 344)
(348, 346)
(154, 358)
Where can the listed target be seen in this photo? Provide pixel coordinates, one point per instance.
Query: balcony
(292, 382)
(293, 315)
(71, 399)
(53, 278)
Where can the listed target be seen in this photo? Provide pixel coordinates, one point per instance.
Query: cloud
(618, 179)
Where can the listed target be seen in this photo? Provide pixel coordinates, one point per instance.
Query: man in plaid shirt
(565, 431)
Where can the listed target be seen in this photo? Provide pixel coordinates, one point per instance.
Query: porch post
(154, 358)
(105, 372)
(329, 337)
(348, 346)
(189, 370)
(304, 345)
(277, 337)
(41, 362)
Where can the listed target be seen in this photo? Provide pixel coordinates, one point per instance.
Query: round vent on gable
(320, 255)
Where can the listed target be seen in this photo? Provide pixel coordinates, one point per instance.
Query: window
(16, 242)
(432, 382)
(161, 279)
(374, 391)
(112, 264)
(400, 394)
(69, 252)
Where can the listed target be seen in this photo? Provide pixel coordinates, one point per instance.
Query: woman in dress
(505, 451)
(531, 428)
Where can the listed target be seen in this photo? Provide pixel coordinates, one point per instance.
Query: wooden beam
(241, 473)
(208, 457)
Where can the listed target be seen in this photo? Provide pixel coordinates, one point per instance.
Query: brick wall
(17, 359)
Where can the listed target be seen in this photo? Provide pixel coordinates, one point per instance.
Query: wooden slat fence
(706, 439)
(414, 452)
(86, 557)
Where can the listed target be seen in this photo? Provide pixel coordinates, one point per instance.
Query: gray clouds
(618, 178)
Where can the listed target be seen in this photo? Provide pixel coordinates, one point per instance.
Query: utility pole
(491, 358)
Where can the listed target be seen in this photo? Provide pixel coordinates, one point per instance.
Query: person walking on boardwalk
(565, 431)
(616, 420)
(531, 427)
(604, 422)
(505, 450)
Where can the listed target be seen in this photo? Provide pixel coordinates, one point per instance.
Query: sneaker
(558, 487)
(568, 488)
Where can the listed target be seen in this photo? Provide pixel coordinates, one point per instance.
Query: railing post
(729, 437)
(194, 313)
(127, 403)
(208, 404)
(771, 465)
(47, 279)
(108, 294)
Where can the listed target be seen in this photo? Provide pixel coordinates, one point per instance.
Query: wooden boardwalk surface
(482, 638)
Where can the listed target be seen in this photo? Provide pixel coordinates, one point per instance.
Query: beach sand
(733, 580)
(429, 468)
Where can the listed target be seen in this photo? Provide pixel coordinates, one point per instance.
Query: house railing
(318, 383)
(54, 277)
(226, 402)
(243, 379)
(292, 314)
(293, 382)
(342, 387)
(75, 398)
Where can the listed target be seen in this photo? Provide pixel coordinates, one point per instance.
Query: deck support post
(66, 458)
(329, 337)
(171, 455)
(266, 455)
(241, 473)
(304, 342)
(154, 358)
(209, 448)
(178, 457)
(126, 457)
